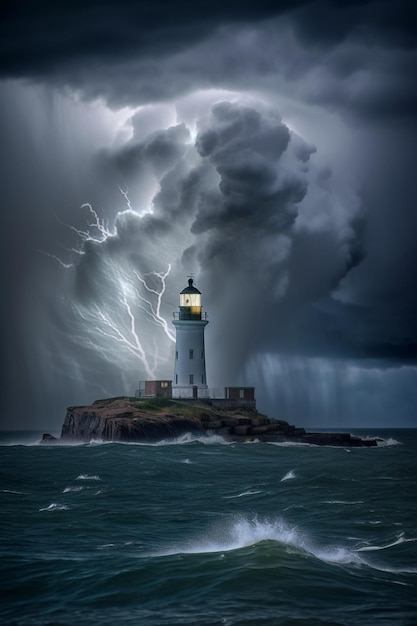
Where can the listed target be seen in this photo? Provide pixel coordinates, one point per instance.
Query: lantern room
(190, 302)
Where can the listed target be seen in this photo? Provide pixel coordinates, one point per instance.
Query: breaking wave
(184, 439)
(388, 442)
(242, 533)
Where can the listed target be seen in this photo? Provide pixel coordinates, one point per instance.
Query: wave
(347, 502)
(190, 438)
(288, 476)
(240, 533)
(243, 533)
(87, 477)
(55, 507)
(184, 439)
(292, 444)
(381, 443)
(400, 539)
(250, 492)
(70, 489)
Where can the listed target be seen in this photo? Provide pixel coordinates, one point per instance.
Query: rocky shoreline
(148, 420)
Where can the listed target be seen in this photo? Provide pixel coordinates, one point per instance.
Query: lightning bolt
(119, 328)
(126, 197)
(96, 224)
(155, 311)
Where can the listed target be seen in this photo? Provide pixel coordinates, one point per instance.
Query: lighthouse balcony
(190, 315)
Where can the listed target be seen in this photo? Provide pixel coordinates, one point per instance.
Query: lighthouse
(190, 359)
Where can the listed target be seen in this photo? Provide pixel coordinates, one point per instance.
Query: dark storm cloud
(247, 206)
(299, 254)
(329, 21)
(360, 56)
(158, 151)
(245, 148)
(263, 212)
(40, 37)
(140, 241)
(56, 34)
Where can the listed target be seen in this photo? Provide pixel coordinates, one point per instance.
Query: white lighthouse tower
(190, 359)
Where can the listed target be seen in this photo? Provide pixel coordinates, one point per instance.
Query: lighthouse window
(176, 379)
(176, 355)
(191, 379)
(191, 354)
(202, 379)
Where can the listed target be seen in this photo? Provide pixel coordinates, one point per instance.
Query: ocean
(199, 531)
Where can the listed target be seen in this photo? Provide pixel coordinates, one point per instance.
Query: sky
(265, 148)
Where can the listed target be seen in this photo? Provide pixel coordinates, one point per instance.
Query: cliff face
(125, 419)
(151, 419)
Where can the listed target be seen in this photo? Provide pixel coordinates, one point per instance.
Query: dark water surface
(203, 532)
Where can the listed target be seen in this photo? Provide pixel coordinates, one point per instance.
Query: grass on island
(153, 405)
(185, 407)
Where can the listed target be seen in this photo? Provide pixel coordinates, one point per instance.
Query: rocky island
(128, 419)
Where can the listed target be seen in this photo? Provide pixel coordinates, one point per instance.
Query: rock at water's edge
(147, 420)
(47, 438)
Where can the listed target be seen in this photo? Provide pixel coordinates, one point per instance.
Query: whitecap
(390, 570)
(291, 444)
(242, 533)
(87, 477)
(188, 438)
(99, 442)
(288, 476)
(250, 492)
(70, 489)
(239, 533)
(346, 502)
(396, 542)
(55, 507)
(387, 442)
(336, 554)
